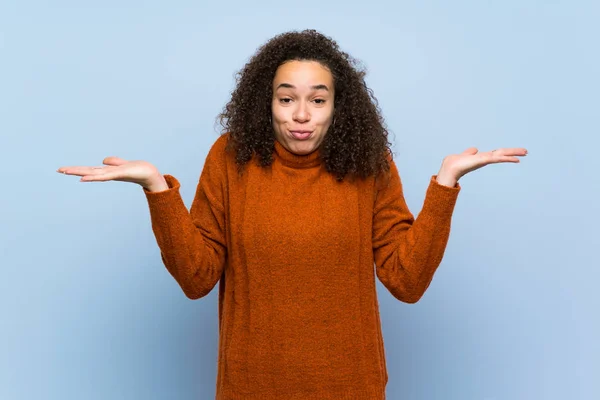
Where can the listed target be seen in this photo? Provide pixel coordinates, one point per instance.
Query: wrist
(446, 178)
(157, 184)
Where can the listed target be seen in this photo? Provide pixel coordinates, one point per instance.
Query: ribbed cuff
(440, 199)
(363, 393)
(165, 196)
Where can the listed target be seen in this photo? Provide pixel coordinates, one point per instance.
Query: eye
(320, 101)
(285, 100)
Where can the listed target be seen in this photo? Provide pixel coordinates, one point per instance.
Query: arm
(192, 244)
(407, 252)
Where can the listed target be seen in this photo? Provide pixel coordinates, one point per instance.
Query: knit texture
(296, 254)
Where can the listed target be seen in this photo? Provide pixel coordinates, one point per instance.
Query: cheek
(280, 115)
(326, 118)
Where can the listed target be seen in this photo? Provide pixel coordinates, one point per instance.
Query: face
(302, 105)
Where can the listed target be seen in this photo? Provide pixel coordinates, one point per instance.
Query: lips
(301, 135)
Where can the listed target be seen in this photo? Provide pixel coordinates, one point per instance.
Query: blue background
(90, 312)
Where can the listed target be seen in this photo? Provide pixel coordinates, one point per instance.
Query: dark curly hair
(355, 145)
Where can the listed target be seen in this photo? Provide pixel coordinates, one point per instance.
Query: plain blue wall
(90, 312)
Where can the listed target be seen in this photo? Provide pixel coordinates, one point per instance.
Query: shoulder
(387, 177)
(220, 144)
(219, 151)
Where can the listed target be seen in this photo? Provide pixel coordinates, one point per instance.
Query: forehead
(303, 73)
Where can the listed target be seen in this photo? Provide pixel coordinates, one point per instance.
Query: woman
(297, 199)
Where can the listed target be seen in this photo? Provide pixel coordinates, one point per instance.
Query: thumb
(470, 151)
(115, 161)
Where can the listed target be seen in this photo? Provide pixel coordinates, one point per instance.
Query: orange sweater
(295, 254)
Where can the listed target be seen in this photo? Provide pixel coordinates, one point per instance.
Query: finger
(470, 151)
(517, 151)
(101, 175)
(502, 159)
(116, 161)
(80, 171)
(513, 151)
(64, 170)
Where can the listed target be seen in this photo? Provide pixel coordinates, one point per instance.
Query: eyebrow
(314, 87)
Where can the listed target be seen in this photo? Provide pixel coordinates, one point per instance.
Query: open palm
(115, 169)
(471, 159)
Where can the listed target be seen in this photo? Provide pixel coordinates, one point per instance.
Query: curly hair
(356, 145)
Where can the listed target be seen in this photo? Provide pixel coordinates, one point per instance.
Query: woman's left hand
(457, 165)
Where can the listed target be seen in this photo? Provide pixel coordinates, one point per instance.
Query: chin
(303, 151)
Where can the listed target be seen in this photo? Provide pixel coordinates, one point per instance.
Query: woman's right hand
(116, 169)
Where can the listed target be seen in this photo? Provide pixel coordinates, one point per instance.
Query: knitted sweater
(296, 253)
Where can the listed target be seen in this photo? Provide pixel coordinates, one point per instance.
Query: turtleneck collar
(292, 160)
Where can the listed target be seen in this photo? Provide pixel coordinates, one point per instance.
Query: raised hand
(116, 169)
(457, 165)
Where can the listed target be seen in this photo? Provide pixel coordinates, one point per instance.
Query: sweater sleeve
(192, 244)
(407, 252)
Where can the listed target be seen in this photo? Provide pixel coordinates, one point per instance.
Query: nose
(301, 113)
